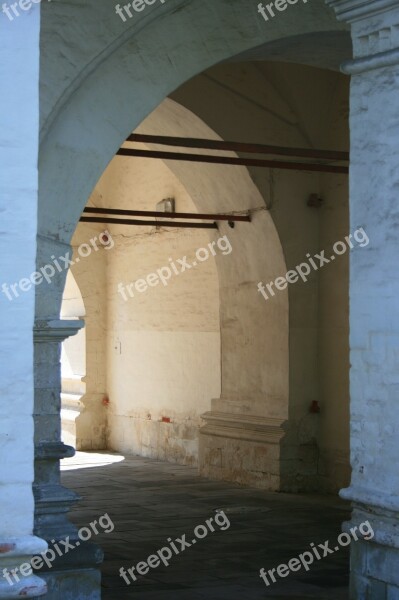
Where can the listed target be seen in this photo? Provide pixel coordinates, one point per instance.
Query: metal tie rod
(238, 147)
(228, 160)
(163, 215)
(148, 223)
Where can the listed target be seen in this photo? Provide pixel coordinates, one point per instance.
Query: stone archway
(112, 84)
(251, 413)
(163, 47)
(253, 406)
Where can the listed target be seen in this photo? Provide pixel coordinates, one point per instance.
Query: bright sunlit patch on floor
(87, 460)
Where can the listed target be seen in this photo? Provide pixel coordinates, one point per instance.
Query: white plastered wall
(73, 362)
(19, 145)
(163, 347)
(91, 276)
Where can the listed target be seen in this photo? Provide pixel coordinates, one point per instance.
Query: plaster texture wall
(333, 341)
(98, 31)
(163, 344)
(19, 153)
(91, 275)
(19, 101)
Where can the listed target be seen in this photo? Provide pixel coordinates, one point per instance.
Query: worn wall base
(375, 573)
(176, 441)
(265, 453)
(243, 449)
(79, 584)
(76, 575)
(333, 470)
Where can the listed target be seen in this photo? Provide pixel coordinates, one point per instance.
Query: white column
(374, 293)
(19, 116)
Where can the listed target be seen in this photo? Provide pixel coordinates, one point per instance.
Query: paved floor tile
(150, 501)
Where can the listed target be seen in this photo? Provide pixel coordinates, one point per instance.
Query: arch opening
(175, 353)
(83, 129)
(277, 405)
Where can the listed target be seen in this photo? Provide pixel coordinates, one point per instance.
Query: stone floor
(150, 501)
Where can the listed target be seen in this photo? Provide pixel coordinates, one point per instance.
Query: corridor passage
(150, 501)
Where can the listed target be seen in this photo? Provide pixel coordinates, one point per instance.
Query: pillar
(19, 110)
(75, 574)
(374, 293)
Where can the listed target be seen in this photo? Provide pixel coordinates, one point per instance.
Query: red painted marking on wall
(27, 591)
(4, 548)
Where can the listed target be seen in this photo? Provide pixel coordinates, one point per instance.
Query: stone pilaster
(75, 574)
(255, 450)
(19, 133)
(241, 448)
(374, 293)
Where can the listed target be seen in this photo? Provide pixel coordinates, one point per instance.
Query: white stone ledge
(369, 63)
(354, 10)
(243, 427)
(365, 497)
(56, 330)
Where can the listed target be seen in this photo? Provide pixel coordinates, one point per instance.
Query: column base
(30, 587)
(374, 572)
(374, 562)
(14, 553)
(75, 576)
